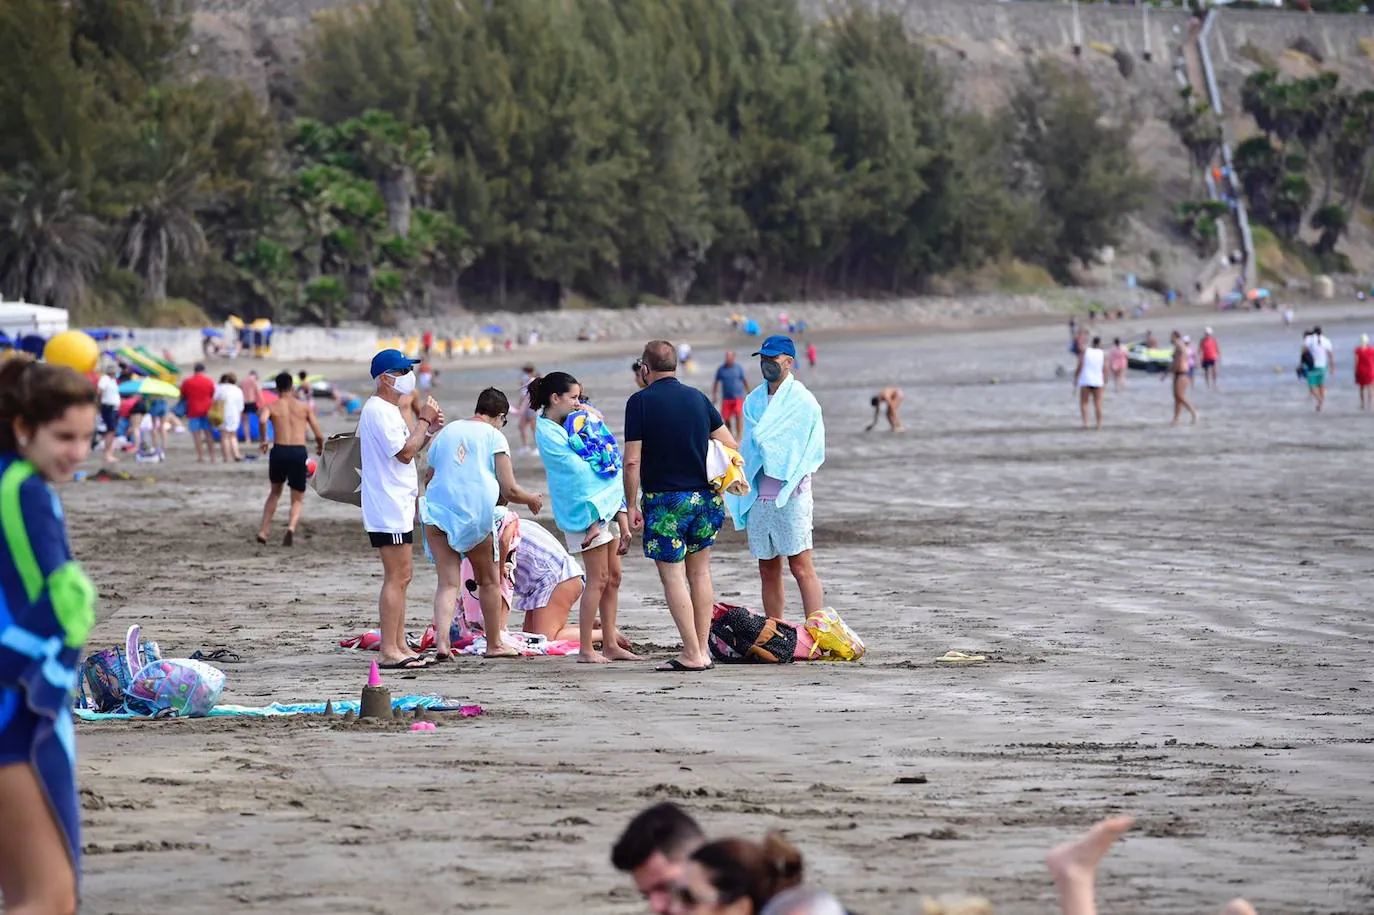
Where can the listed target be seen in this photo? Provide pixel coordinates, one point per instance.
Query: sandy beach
(1176, 622)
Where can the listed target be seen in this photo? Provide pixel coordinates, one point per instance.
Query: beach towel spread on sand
(784, 438)
(580, 497)
(277, 709)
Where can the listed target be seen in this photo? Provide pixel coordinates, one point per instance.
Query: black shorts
(250, 409)
(286, 464)
(1208, 363)
(110, 417)
(381, 540)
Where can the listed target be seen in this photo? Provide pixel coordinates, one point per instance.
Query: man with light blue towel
(783, 447)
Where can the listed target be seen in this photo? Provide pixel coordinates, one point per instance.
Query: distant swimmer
(1210, 351)
(1178, 370)
(1090, 379)
(891, 398)
(1364, 372)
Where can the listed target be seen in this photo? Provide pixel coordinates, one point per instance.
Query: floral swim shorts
(677, 524)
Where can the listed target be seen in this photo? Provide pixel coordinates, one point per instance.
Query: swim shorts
(390, 538)
(286, 464)
(731, 408)
(677, 524)
(1316, 378)
(199, 424)
(109, 417)
(780, 531)
(1208, 363)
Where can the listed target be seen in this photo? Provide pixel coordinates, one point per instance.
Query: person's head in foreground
(394, 373)
(776, 358)
(284, 383)
(804, 900)
(47, 416)
(199, 368)
(492, 407)
(1097, 342)
(654, 849)
(737, 876)
(729, 357)
(659, 358)
(557, 394)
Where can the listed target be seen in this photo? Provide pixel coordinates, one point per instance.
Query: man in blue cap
(782, 447)
(390, 485)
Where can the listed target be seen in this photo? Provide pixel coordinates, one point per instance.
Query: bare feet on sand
(620, 652)
(592, 657)
(1074, 864)
(1079, 858)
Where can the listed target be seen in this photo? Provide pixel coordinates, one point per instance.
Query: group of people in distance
(1095, 366)
(602, 494)
(678, 871)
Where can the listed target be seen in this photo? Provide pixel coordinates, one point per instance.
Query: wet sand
(1176, 622)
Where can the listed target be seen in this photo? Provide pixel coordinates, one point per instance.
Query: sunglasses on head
(504, 419)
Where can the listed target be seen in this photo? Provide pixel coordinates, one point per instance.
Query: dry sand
(1177, 624)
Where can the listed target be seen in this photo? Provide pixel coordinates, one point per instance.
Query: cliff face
(984, 45)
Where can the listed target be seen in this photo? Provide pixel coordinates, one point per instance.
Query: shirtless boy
(891, 398)
(1179, 371)
(286, 464)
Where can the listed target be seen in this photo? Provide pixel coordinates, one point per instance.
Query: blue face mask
(771, 371)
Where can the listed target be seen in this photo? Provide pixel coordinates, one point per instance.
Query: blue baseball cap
(390, 360)
(778, 345)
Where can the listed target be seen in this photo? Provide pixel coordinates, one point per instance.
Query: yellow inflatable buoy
(74, 349)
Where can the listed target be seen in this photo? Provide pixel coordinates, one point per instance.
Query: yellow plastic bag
(833, 639)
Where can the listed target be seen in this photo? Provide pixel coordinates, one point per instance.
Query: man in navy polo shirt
(667, 430)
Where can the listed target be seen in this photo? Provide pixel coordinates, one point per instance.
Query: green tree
(49, 249)
(1331, 221)
(1079, 168)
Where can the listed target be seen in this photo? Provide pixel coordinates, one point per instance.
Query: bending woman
(47, 419)
(469, 472)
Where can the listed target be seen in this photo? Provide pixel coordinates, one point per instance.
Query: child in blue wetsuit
(47, 607)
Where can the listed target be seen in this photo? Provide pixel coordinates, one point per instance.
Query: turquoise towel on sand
(580, 497)
(343, 706)
(784, 438)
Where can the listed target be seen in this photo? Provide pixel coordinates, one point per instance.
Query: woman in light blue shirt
(469, 473)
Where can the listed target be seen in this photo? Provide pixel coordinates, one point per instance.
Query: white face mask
(403, 384)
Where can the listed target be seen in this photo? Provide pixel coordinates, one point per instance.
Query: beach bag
(216, 414)
(170, 687)
(832, 637)
(740, 635)
(105, 675)
(337, 477)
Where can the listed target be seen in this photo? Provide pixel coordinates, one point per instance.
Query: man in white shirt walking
(390, 485)
(108, 388)
(1323, 365)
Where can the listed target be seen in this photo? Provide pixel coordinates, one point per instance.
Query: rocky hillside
(986, 44)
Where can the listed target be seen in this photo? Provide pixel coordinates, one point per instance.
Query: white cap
(1187, 339)
(1364, 339)
(1207, 331)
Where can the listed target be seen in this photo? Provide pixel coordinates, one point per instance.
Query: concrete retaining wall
(290, 344)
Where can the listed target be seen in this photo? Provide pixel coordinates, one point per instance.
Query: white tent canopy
(20, 318)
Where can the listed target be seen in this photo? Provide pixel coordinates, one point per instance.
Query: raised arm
(430, 419)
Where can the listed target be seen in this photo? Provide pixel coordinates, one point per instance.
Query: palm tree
(49, 248)
(163, 226)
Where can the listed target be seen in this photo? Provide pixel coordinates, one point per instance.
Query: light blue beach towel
(784, 438)
(580, 497)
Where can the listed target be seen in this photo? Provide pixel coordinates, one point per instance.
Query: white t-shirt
(684, 352)
(109, 391)
(461, 499)
(1091, 376)
(231, 395)
(1320, 348)
(389, 486)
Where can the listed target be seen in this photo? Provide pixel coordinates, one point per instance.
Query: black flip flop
(218, 656)
(262, 540)
(674, 666)
(290, 537)
(407, 664)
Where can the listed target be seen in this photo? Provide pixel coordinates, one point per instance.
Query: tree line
(524, 153)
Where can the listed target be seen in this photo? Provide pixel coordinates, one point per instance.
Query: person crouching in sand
(469, 473)
(586, 485)
(287, 459)
(890, 399)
